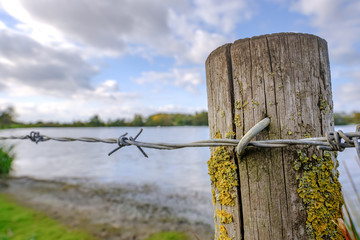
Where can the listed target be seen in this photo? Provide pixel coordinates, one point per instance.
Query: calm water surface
(182, 168)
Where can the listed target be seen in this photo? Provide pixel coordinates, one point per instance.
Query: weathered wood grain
(285, 77)
(220, 93)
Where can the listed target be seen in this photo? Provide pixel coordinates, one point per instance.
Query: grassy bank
(20, 223)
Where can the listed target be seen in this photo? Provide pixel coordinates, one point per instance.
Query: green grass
(6, 158)
(21, 223)
(168, 236)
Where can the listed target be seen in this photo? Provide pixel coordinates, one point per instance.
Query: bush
(6, 159)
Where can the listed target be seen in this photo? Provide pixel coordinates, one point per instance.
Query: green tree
(182, 119)
(78, 124)
(200, 119)
(343, 119)
(138, 121)
(117, 123)
(95, 121)
(7, 117)
(159, 119)
(356, 117)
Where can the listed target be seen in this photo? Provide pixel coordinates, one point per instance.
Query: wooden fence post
(287, 193)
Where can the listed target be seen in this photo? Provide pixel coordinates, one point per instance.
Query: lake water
(182, 170)
(349, 159)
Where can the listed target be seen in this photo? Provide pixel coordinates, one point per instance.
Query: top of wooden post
(270, 35)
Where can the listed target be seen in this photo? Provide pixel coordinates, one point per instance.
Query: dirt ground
(114, 211)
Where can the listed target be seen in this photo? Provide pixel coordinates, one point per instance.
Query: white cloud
(205, 27)
(104, 99)
(70, 110)
(203, 44)
(39, 31)
(106, 92)
(347, 97)
(171, 108)
(189, 79)
(338, 22)
(25, 62)
(116, 27)
(2, 25)
(225, 15)
(50, 53)
(108, 86)
(103, 25)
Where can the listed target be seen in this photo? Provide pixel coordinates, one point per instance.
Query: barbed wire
(333, 141)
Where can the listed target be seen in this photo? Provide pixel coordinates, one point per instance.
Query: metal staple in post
(244, 141)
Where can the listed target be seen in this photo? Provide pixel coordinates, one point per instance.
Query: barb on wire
(35, 137)
(122, 143)
(334, 141)
(356, 141)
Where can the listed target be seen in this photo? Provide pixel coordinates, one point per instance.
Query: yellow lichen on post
(223, 176)
(213, 196)
(320, 191)
(223, 113)
(238, 104)
(230, 134)
(217, 135)
(237, 121)
(223, 233)
(224, 217)
(323, 104)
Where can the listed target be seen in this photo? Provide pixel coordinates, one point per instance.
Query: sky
(69, 60)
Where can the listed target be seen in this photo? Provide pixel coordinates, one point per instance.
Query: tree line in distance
(7, 120)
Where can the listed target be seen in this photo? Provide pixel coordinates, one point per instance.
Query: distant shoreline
(7, 120)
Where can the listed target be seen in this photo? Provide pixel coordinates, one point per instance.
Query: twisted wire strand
(332, 141)
(62, 139)
(322, 142)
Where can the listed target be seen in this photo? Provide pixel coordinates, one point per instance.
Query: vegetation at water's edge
(6, 159)
(7, 120)
(20, 223)
(346, 119)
